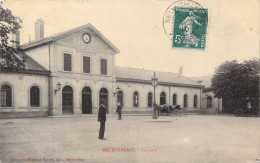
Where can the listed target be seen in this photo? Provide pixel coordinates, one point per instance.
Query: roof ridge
(147, 70)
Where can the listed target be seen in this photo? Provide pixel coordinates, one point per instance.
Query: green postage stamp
(190, 27)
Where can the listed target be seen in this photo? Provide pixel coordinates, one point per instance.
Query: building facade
(77, 69)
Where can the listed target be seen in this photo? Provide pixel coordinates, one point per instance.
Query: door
(67, 100)
(86, 101)
(103, 96)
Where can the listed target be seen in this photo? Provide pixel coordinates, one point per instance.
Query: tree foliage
(237, 83)
(9, 54)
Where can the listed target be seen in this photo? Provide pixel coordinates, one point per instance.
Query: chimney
(16, 38)
(39, 29)
(180, 70)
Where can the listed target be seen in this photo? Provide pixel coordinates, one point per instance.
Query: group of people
(102, 117)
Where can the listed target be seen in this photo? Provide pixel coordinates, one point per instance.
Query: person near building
(102, 119)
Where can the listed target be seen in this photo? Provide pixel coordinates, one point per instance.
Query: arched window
(6, 96)
(195, 102)
(136, 99)
(150, 99)
(209, 101)
(120, 97)
(103, 96)
(174, 99)
(185, 101)
(162, 98)
(34, 96)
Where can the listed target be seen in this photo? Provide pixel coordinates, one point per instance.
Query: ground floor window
(162, 98)
(150, 99)
(174, 99)
(136, 99)
(209, 101)
(34, 96)
(195, 101)
(6, 96)
(120, 98)
(185, 101)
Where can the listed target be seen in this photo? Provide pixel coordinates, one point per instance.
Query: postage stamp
(189, 30)
(185, 23)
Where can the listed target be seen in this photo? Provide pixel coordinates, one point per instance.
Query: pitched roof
(206, 80)
(142, 75)
(58, 36)
(31, 66)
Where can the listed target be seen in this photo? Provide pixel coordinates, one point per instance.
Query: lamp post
(154, 83)
(58, 87)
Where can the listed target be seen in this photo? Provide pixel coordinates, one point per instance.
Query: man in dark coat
(102, 120)
(119, 110)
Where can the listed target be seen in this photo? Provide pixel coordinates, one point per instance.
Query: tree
(237, 84)
(9, 54)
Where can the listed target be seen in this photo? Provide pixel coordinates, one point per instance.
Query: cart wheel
(239, 112)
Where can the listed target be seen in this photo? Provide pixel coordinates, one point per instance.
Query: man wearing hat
(102, 119)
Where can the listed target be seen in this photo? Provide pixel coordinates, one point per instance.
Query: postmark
(185, 23)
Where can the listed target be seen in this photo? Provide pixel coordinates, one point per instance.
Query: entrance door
(67, 100)
(103, 95)
(86, 101)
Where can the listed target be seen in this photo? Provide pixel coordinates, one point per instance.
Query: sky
(136, 28)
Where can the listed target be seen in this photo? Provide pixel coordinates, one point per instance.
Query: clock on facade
(86, 38)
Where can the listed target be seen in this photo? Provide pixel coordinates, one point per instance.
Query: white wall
(21, 84)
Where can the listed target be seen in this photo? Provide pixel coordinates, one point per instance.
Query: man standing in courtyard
(102, 119)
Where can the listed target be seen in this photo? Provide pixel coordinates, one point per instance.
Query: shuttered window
(86, 64)
(103, 67)
(67, 62)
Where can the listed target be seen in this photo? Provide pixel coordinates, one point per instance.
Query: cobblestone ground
(194, 138)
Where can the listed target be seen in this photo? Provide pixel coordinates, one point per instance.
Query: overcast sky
(136, 28)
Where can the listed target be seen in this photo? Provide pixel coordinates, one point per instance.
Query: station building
(70, 72)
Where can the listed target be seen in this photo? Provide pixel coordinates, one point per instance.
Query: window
(174, 99)
(150, 99)
(6, 96)
(195, 101)
(120, 97)
(86, 64)
(136, 99)
(103, 67)
(162, 98)
(185, 101)
(67, 62)
(34, 96)
(209, 101)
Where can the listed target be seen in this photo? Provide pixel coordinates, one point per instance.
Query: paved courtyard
(194, 138)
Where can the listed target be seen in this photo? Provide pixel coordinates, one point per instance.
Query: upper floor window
(6, 96)
(34, 96)
(103, 67)
(136, 99)
(86, 64)
(67, 62)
